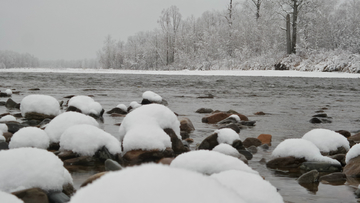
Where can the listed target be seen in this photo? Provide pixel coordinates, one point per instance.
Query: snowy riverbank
(265, 73)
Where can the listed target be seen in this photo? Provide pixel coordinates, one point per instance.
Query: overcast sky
(75, 29)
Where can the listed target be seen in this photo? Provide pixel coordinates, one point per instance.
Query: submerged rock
(309, 177)
(337, 178)
(320, 166)
(204, 110)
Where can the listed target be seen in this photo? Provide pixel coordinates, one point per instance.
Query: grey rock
(111, 165)
(58, 197)
(104, 154)
(265, 147)
(246, 153)
(320, 167)
(3, 145)
(337, 178)
(204, 110)
(252, 149)
(309, 177)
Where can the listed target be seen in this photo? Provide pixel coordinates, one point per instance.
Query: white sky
(75, 29)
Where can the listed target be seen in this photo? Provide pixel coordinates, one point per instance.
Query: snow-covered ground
(265, 73)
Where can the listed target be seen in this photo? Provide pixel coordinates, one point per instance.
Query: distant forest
(255, 34)
(320, 35)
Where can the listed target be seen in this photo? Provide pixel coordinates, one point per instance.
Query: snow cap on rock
(122, 107)
(301, 148)
(155, 183)
(248, 185)
(227, 150)
(152, 96)
(60, 123)
(8, 92)
(7, 118)
(326, 140)
(43, 104)
(85, 140)
(209, 162)
(86, 104)
(25, 168)
(3, 127)
(227, 135)
(9, 198)
(30, 137)
(352, 153)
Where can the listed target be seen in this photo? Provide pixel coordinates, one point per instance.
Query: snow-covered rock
(2, 138)
(227, 135)
(326, 140)
(9, 198)
(301, 148)
(152, 97)
(209, 162)
(60, 123)
(25, 168)
(7, 118)
(43, 104)
(134, 105)
(8, 92)
(227, 150)
(352, 153)
(155, 183)
(251, 187)
(85, 140)
(86, 104)
(143, 128)
(122, 107)
(30, 137)
(3, 127)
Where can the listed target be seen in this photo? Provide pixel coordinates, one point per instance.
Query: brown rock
(136, 157)
(37, 116)
(67, 155)
(260, 113)
(176, 144)
(215, 117)
(93, 178)
(7, 136)
(117, 110)
(337, 178)
(265, 139)
(210, 142)
(186, 125)
(289, 163)
(204, 110)
(82, 160)
(353, 167)
(250, 141)
(11, 104)
(345, 133)
(241, 116)
(69, 189)
(355, 138)
(32, 195)
(166, 161)
(189, 140)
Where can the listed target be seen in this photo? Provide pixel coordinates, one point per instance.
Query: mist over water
(289, 104)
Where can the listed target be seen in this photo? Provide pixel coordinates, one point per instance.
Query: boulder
(345, 133)
(176, 144)
(58, 197)
(352, 168)
(260, 113)
(37, 116)
(250, 141)
(82, 160)
(3, 145)
(321, 115)
(339, 150)
(184, 135)
(136, 157)
(11, 104)
(32, 195)
(117, 110)
(3, 94)
(289, 163)
(237, 144)
(233, 126)
(111, 165)
(93, 178)
(73, 108)
(166, 161)
(265, 147)
(340, 158)
(252, 149)
(241, 116)
(215, 117)
(14, 126)
(7, 136)
(104, 154)
(316, 120)
(228, 120)
(186, 125)
(265, 139)
(320, 166)
(68, 189)
(246, 153)
(309, 177)
(210, 142)
(67, 155)
(355, 138)
(204, 110)
(337, 178)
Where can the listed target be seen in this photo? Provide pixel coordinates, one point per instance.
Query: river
(289, 104)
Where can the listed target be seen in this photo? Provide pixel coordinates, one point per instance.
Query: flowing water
(289, 104)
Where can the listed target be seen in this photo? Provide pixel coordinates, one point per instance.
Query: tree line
(11, 59)
(253, 33)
